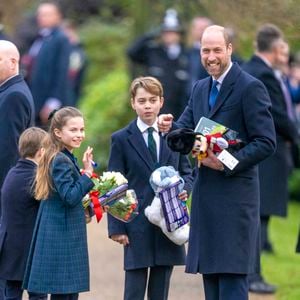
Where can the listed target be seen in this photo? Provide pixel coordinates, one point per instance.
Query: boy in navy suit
(19, 211)
(136, 151)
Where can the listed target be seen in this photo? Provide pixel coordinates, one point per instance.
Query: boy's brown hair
(150, 84)
(31, 141)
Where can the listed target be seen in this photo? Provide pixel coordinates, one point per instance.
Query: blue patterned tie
(152, 144)
(213, 94)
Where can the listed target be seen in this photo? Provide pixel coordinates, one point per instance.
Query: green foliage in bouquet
(106, 186)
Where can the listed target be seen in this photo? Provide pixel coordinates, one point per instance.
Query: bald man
(225, 207)
(16, 107)
(16, 114)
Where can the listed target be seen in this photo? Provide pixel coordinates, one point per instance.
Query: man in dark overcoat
(47, 64)
(225, 206)
(274, 171)
(16, 110)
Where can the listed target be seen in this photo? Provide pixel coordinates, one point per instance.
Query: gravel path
(107, 275)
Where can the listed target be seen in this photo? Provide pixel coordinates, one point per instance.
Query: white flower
(116, 176)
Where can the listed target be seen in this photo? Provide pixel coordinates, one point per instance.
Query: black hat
(181, 140)
(171, 21)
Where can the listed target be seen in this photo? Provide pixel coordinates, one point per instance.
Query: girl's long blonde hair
(43, 184)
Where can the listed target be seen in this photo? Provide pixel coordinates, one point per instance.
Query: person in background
(78, 61)
(196, 69)
(3, 35)
(232, 35)
(224, 230)
(19, 211)
(46, 65)
(164, 57)
(274, 171)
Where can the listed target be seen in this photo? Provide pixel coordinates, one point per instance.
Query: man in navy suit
(16, 110)
(274, 171)
(47, 64)
(225, 206)
(149, 256)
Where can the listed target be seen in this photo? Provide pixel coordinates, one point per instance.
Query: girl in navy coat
(19, 211)
(58, 259)
(149, 256)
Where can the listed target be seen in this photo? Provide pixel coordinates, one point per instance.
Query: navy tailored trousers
(225, 286)
(158, 278)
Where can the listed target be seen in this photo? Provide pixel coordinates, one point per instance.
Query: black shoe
(261, 287)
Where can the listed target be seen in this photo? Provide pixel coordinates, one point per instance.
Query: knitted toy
(161, 179)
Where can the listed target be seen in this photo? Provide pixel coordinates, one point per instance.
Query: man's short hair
(267, 36)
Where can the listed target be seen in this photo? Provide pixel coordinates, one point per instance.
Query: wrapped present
(174, 210)
(166, 210)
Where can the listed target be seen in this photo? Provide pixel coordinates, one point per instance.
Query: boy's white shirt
(144, 127)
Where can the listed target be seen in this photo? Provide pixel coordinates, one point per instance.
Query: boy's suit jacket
(225, 206)
(19, 211)
(148, 246)
(58, 259)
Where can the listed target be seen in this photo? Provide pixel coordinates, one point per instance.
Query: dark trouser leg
(211, 286)
(13, 290)
(135, 284)
(2, 287)
(265, 242)
(64, 296)
(233, 287)
(159, 282)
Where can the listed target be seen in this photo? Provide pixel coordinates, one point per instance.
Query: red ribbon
(97, 206)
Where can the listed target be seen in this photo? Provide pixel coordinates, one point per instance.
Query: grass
(283, 267)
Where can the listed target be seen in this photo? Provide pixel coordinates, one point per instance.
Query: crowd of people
(43, 247)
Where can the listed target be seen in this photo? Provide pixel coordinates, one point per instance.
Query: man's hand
(121, 239)
(164, 122)
(212, 162)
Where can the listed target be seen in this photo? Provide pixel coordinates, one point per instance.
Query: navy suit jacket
(19, 211)
(49, 75)
(148, 246)
(274, 200)
(16, 114)
(225, 205)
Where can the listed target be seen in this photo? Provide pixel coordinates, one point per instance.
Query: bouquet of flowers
(111, 191)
